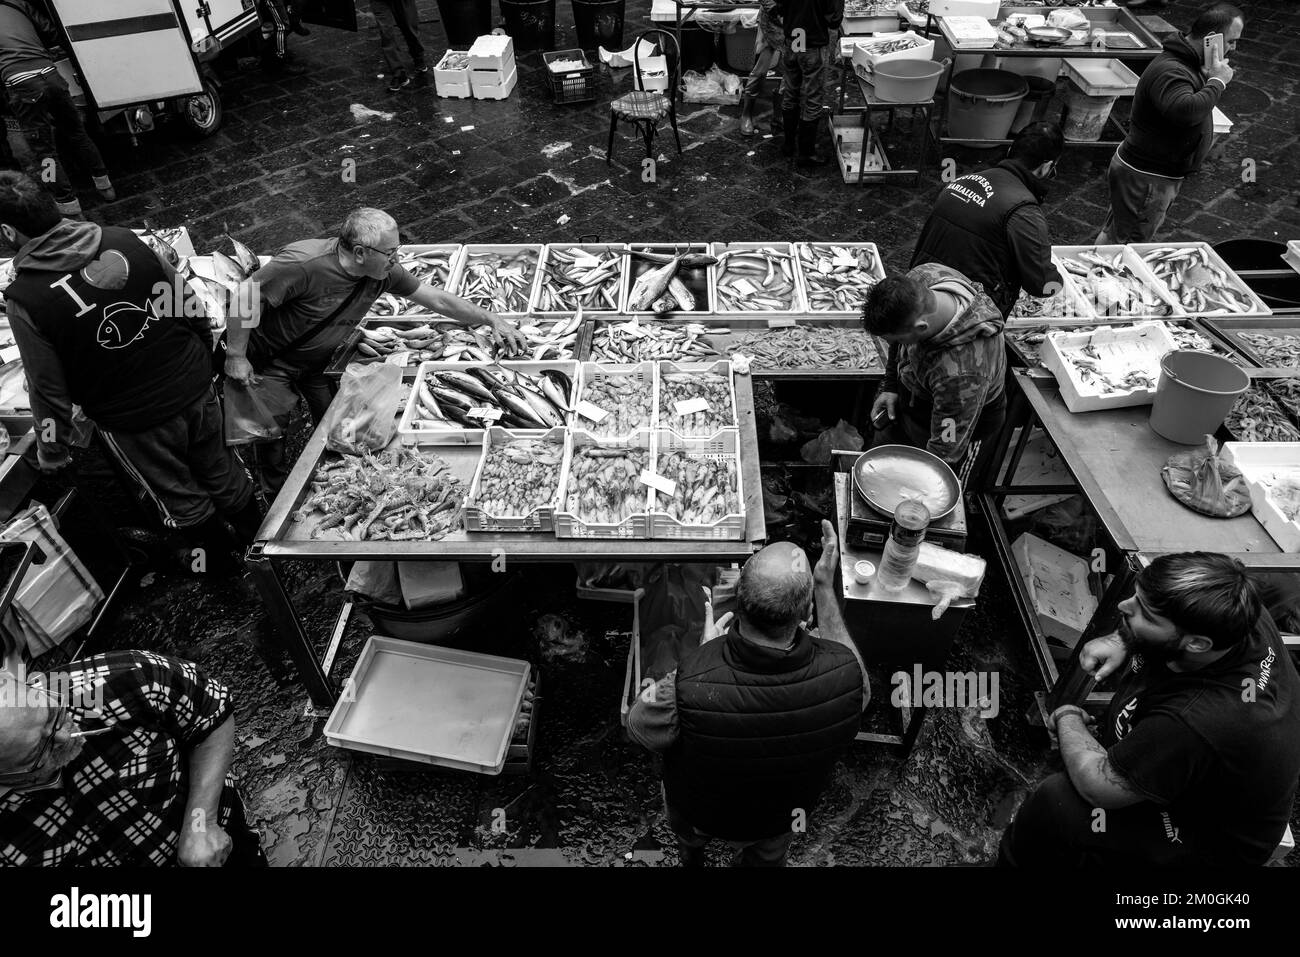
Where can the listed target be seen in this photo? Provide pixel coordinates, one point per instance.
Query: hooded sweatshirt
(956, 373)
(94, 328)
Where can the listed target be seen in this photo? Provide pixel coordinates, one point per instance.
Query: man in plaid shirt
(120, 759)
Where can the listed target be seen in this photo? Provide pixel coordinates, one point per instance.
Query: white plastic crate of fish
(669, 278)
(1066, 303)
(697, 492)
(516, 486)
(634, 340)
(1108, 368)
(452, 403)
(605, 495)
(1114, 283)
(695, 399)
(500, 278)
(431, 264)
(1271, 471)
(615, 400)
(1027, 336)
(758, 278)
(589, 275)
(836, 277)
(1200, 280)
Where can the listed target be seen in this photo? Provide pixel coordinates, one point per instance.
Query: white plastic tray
(1145, 342)
(1256, 459)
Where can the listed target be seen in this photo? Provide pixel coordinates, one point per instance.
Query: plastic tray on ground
(1153, 290)
(665, 418)
(540, 519)
(635, 526)
(1135, 348)
(722, 447)
(1256, 308)
(411, 434)
(613, 286)
(1258, 460)
(700, 280)
(798, 302)
(1057, 580)
(646, 374)
(426, 703)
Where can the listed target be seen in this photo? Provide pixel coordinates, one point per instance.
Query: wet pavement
(527, 170)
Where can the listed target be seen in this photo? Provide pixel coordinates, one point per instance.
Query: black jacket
(817, 18)
(990, 227)
(25, 32)
(1173, 113)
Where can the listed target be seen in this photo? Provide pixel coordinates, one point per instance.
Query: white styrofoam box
(450, 82)
(988, 9)
(1257, 307)
(1101, 77)
(1258, 461)
(1221, 122)
(1152, 289)
(1057, 582)
(492, 52)
(1292, 255)
(854, 25)
(971, 31)
(1041, 464)
(489, 85)
(1137, 348)
(864, 60)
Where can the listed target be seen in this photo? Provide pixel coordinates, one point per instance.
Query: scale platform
(867, 528)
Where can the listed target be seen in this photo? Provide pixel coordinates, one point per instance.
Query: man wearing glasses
(122, 759)
(294, 312)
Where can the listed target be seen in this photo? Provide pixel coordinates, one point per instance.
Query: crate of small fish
(664, 278)
(604, 492)
(499, 278)
(615, 401)
(757, 278)
(697, 401)
(829, 347)
(1065, 304)
(1026, 338)
(1257, 416)
(517, 483)
(704, 498)
(589, 276)
(1272, 343)
(434, 265)
(453, 403)
(571, 76)
(1113, 282)
(1202, 283)
(836, 277)
(638, 340)
(1108, 368)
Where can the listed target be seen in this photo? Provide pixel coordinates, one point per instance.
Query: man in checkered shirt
(120, 759)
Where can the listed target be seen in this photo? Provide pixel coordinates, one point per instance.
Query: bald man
(750, 725)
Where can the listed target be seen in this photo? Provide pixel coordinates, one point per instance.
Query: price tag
(635, 330)
(592, 413)
(691, 406)
(658, 483)
(744, 287)
(8, 354)
(844, 261)
(484, 413)
(397, 358)
(510, 272)
(781, 323)
(586, 261)
(824, 267)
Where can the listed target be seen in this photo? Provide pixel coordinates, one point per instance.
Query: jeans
(802, 83)
(765, 60)
(272, 467)
(1138, 204)
(398, 15)
(47, 116)
(768, 852)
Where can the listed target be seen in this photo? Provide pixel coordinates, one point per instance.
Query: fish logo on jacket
(123, 324)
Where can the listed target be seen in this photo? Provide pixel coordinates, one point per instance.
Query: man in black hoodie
(990, 227)
(1171, 128)
(102, 321)
(811, 27)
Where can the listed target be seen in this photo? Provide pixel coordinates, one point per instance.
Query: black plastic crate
(574, 86)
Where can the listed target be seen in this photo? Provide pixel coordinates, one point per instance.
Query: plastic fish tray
(1057, 580)
(703, 287)
(427, 703)
(722, 447)
(798, 299)
(635, 526)
(1144, 342)
(1127, 257)
(877, 273)
(721, 367)
(383, 305)
(1072, 305)
(454, 435)
(347, 353)
(540, 519)
(1257, 305)
(647, 373)
(595, 249)
(1257, 459)
(468, 253)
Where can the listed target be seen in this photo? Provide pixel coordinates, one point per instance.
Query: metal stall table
(280, 540)
(872, 104)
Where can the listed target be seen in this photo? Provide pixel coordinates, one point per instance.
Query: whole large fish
(651, 285)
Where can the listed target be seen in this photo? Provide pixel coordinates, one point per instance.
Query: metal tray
(881, 474)
(440, 706)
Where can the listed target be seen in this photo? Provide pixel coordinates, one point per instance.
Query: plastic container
(1034, 106)
(635, 526)
(903, 546)
(465, 19)
(723, 446)
(1195, 394)
(571, 86)
(1085, 116)
(907, 81)
(530, 23)
(863, 572)
(664, 418)
(1102, 77)
(982, 104)
(599, 23)
(738, 48)
(541, 518)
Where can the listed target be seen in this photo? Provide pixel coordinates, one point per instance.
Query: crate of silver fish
(1108, 368)
(1112, 282)
(516, 486)
(605, 493)
(757, 278)
(586, 275)
(704, 497)
(836, 277)
(1197, 276)
(500, 278)
(669, 278)
(454, 403)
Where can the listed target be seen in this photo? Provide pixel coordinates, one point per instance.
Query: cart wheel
(201, 113)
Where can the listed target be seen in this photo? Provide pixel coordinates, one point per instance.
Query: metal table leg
(279, 608)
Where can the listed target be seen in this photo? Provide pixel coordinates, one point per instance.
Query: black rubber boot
(809, 154)
(790, 131)
(746, 116)
(777, 100)
(246, 522)
(209, 549)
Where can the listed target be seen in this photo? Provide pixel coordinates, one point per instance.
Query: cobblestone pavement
(525, 169)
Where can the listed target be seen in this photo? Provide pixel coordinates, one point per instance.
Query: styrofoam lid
(490, 45)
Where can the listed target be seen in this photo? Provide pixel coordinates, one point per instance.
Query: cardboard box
(1058, 587)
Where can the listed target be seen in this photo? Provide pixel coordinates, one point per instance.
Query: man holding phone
(1172, 124)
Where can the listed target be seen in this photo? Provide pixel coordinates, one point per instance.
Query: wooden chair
(646, 108)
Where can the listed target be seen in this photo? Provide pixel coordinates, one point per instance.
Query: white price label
(844, 261)
(781, 323)
(744, 287)
(592, 413)
(824, 267)
(510, 272)
(690, 406)
(485, 413)
(397, 358)
(586, 261)
(658, 483)
(9, 354)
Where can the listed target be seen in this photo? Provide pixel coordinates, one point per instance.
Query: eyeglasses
(62, 713)
(389, 254)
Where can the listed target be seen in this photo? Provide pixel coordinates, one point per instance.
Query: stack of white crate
(492, 73)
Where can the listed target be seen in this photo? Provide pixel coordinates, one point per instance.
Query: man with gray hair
(750, 725)
(294, 312)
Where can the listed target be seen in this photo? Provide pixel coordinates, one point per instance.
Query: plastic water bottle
(904, 545)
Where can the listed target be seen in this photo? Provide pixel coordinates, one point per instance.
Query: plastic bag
(716, 86)
(672, 615)
(376, 581)
(1205, 483)
(626, 576)
(360, 419)
(843, 437)
(259, 412)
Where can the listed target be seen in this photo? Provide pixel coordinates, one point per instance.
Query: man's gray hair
(774, 604)
(365, 226)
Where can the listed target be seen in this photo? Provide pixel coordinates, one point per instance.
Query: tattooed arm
(1089, 766)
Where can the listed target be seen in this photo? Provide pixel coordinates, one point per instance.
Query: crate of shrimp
(758, 278)
(604, 493)
(695, 491)
(615, 400)
(697, 400)
(500, 278)
(571, 76)
(586, 275)
(836, 277)
(517, 483)
(1197, 276)
(1108, 368)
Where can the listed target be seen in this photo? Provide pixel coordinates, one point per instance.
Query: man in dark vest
(103, 322)
(750, 724)
(990, 227)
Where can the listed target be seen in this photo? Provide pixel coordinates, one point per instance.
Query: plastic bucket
(1085, 116)
(599, 23)
(983, 103)
(1045, 68)
(1195, 394)
(907, 81)
(738, 47)
(530, 23)
(465, 20)
(1035, 104)
(1277, 292)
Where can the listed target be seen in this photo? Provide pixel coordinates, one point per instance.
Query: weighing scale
(867, 528)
